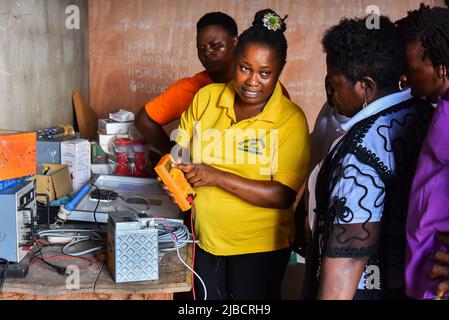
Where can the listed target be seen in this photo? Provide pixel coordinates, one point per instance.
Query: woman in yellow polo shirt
(249, 153)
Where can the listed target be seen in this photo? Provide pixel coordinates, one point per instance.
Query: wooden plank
(43, 281)
(85, 117)
(97, 283)
(173, 277)
(88, 296)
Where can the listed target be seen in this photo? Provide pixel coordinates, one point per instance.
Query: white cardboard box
(110, 127)
(76, 155)
(106, 141)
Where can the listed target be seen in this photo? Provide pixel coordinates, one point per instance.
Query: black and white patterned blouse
(362, 193)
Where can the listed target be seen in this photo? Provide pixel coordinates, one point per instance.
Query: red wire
(192, 227)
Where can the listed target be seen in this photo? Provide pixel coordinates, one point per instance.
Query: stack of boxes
(108, 131)
(67, 150)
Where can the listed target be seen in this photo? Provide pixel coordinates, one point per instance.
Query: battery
(133, 252)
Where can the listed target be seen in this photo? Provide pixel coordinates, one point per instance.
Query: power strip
(15, 270)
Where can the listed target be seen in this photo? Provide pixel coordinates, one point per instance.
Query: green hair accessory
(272, 21)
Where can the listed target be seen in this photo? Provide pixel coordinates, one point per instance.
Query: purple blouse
(428, 211)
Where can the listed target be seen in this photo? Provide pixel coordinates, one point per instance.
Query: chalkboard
(139, 47)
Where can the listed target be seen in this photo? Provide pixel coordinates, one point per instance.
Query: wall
(139, 47)
(41, 62)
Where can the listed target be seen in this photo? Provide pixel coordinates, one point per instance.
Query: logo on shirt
(253, 145)
(232, 146)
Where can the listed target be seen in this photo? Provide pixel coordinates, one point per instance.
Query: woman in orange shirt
(216, 41)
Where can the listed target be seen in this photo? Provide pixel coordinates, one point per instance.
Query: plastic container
(138, 147)
(122, 147)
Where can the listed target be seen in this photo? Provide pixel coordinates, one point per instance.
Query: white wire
(196, 274)
(68, 233)
(68, 230)
(77, 254)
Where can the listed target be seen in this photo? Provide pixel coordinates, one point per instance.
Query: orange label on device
(17, 154)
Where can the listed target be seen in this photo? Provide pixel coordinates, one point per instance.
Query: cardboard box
(17, 154)
(56, 183)
(49, 150)
(111, 127)
(76, 155)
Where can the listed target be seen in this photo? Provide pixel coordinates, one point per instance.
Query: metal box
(133, 253)
(16, 220)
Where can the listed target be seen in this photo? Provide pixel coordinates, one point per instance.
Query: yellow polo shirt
(274, 145)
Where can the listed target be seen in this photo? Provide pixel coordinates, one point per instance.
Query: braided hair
(266, 32)
(429, 26)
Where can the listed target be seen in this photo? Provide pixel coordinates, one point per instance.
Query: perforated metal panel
(133, 249)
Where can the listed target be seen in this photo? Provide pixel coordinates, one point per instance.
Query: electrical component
(18, 221)
(103, 195)
(175, 181)
(14, 270)
(133, 253)
(66, 210)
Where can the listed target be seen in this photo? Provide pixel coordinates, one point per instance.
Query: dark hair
(259, 33)
(218, 19)
(357, 51)
(429, 26)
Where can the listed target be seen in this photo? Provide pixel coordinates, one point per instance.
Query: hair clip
(272, 21)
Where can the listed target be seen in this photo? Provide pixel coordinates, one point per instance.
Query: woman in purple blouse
(426, 36)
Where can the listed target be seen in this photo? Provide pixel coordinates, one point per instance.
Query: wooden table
(96, 283)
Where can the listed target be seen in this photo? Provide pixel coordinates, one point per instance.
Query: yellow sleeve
(293, 155)
(185, 129)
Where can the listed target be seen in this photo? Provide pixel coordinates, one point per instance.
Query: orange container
(17, 154)
(175, 181)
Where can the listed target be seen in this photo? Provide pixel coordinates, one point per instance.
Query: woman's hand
(201, 175)
(167, 191)
(441, 267)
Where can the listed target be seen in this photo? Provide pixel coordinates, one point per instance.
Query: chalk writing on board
(147, 46)
(306, 93)
(184, 25)
(157, 73)
(150, 89)
(300, 57)
(157, 59)
(308, 83)
(126, 25)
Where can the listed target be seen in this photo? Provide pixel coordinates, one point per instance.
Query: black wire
(52, 267)
(96, 207)
(2, 281)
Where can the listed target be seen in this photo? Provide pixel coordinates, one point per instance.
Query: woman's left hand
(440, 269)
(201, 175)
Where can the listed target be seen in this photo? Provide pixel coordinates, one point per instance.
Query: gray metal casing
(133, 253)
(49, 150)
(12, 221)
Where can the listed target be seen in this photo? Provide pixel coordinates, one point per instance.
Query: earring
(402, 80)
(365, 103)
